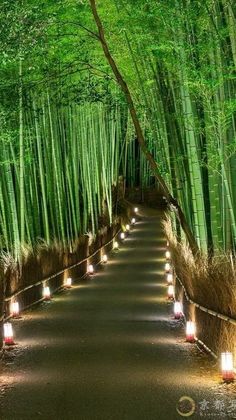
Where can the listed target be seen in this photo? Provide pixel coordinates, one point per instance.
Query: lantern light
(127, 227)
(8, 334)
(227, 366)
(170, 292)
(133, 221)
(46, 293)
(167, 243)
(169, 278)
(136, 210)
(122, 235)
(190, 331)
(168, 255)
(90, 269)
(167, 267)
(178, 311)
(104, 258)
(116, 245)
(15, 309)
(68, 282)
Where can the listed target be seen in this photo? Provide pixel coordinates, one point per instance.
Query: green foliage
(178, 58)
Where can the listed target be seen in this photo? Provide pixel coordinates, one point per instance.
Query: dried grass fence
(51, 265)
(207, 289)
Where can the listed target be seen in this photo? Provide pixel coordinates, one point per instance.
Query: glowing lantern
(116, 245)
(122, 236)
(169, 278)
(227, 366)
(90, 269)
(15, 309)
(167, 243)
(170, 292)
(104, 258)
(167, 267)
(133, 221)
(190, 331)
(127, 227)
(168, 255)
(68, 282)
(178, 311)
(136, 210)
(46, 293)
(8, 334)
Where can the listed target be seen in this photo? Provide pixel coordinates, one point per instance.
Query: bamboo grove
(66, 135)
(183, 58)
(60, 146)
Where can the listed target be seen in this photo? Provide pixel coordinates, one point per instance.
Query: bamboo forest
(66, 132)
(118, 117)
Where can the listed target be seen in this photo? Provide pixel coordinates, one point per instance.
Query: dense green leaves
(65, 132)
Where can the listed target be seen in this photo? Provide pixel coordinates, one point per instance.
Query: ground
(109, 349)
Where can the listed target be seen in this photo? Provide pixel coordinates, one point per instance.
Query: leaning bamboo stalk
(140, 136)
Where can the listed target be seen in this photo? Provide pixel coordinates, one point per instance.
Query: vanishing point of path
(109, 349)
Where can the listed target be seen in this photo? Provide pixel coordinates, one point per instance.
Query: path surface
(109, 349)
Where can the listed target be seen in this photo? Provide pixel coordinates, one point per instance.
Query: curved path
(109, 348)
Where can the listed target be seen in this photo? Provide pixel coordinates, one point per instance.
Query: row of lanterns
(227, 363)
(46, 294)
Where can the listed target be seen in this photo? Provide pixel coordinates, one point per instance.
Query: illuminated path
(108, 349)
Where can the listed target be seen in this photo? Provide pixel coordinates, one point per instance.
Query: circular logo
(186, 406)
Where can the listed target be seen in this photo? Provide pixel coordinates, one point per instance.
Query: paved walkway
(109, 349)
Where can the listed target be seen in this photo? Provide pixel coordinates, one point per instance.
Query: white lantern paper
(68, 282)
(171, 292)
(227, 366)
(169, 278)
(167, 267)
(90, 269)
(46, 293)
(15, 309)
(178, 310)
(168, 255)
(8, 334)
(190, 331)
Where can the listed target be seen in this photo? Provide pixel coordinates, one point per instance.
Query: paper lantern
(227, 366)
(90, 269)
(170, 293)
(178, 310)
(68, 282)
(8, 334)
(46, 293)
(168, 255)
(169, 278)
(127, 227)
(133, 221)
(136, 210)
(190, 331)
(15, 309)
(116, 245)
(104, 258)
(122, 236)
(167, 267)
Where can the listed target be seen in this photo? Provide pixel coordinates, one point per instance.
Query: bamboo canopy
(91, 91)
